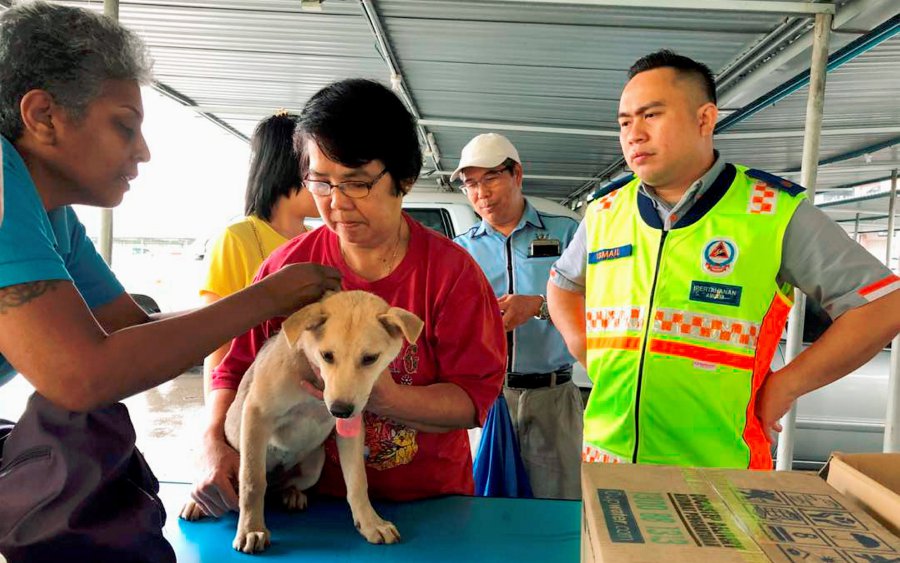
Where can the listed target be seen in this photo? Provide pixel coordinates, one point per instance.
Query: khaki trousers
(549, 425)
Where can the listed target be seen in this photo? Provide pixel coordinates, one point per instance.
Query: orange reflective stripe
(880, 288)
(701, 354)
(754, 435)
(614, 319)
(714, 328)
(591, 454)
(615, 342)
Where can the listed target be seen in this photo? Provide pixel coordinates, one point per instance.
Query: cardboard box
(872, 480)
(645, 513)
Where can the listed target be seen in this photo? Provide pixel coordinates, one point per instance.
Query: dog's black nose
(341, 410)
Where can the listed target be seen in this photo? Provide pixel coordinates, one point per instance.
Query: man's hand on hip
(774, 401)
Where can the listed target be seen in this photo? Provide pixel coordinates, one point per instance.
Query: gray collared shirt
(818, 257)
(670, 214)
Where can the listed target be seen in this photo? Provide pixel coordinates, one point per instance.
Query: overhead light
(868, 158)
(432, 146)
(311, 5)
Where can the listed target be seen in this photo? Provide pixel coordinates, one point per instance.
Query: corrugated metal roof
(861, 94)
(529, 64)
(575, 15)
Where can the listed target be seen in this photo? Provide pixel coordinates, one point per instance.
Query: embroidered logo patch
(610, 253)
(719, 256)
(718, 293)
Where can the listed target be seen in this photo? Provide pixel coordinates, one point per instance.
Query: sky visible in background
(193, 184)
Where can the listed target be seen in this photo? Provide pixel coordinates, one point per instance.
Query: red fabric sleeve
(243, 351)
(469, 328)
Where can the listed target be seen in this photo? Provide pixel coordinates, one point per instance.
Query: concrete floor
(168, 420)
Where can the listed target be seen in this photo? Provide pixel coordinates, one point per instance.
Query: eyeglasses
(352, 188)
(490, 180)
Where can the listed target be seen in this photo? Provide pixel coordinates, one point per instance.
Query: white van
(450, 213)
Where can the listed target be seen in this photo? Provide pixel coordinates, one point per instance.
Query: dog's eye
(328, 357)
(369, 359)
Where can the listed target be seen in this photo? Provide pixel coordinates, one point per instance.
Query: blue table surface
(454, 529)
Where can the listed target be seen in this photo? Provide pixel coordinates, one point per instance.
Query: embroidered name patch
(716, 293)
(610, 253)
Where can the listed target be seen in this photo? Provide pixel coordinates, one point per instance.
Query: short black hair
(682, 65)
(274, 166)
(356, 121)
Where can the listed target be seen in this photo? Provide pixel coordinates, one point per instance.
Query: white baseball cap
(486, 151)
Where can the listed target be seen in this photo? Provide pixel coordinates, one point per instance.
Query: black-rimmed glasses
(355, 189)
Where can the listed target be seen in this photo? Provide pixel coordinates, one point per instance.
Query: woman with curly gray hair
(71, 480)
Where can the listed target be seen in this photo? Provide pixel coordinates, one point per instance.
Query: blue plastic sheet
(499, 471)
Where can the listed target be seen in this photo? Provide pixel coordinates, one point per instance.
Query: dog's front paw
(251, 541)
(293, 499)
(376, 530)
(191, 511)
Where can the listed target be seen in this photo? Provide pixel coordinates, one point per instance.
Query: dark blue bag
(73, 487)
(499, 471)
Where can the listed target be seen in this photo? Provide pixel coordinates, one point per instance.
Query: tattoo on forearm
(18, 295)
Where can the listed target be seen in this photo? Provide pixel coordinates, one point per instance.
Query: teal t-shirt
(39, 245)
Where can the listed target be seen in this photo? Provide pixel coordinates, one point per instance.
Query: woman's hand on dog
(297, 285)
(216, 492)
(381, 397)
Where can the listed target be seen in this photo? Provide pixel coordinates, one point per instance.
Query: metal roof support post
(892, 417)
(815, 104)
(856, 228)
(110, 10)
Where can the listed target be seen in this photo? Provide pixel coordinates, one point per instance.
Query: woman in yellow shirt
(275, 205)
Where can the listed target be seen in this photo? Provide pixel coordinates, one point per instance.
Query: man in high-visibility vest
(676, 288)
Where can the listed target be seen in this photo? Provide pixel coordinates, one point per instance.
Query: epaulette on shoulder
(612, 186)
(776, 181)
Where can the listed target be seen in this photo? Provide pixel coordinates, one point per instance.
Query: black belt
(538, 380)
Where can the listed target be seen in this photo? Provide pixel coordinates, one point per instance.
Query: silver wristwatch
(544, 313)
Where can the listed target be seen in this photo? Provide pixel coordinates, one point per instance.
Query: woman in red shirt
(359, 156)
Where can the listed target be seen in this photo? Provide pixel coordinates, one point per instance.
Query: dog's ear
(398, 320)
(311, 317)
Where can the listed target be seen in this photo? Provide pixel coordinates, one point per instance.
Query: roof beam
(531, 176)
(856, 153)
(614, 133)
(830, 132)
(861, 169)
(795, 8)
(174, 94)
(498, 126)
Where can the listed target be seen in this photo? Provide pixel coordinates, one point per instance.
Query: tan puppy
(341, 344)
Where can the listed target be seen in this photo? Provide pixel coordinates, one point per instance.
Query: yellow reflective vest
(682, 324)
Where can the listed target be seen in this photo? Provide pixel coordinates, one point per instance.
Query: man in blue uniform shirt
(516, 245)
